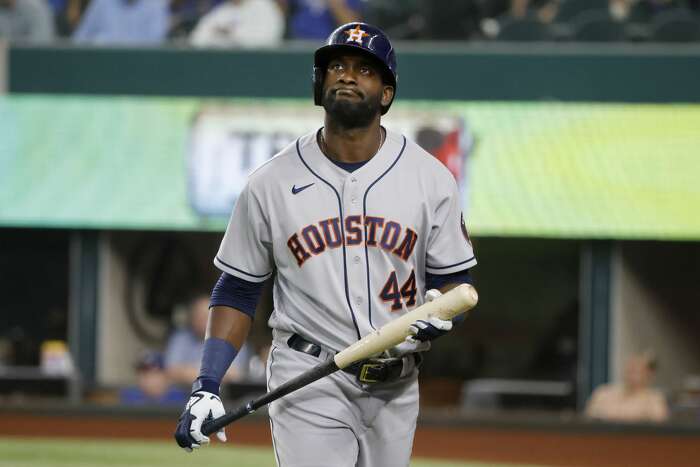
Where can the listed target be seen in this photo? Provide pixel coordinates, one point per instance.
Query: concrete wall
(153, 273)
(118, 346)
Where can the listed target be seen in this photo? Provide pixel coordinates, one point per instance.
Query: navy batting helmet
(361, 37)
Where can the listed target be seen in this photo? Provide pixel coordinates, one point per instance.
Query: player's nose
(347, 77)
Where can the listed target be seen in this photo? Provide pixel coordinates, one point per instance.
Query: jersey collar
(378, 164)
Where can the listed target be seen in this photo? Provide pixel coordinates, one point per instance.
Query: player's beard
(348, 114)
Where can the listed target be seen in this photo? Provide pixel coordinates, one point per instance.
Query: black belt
(372, 370)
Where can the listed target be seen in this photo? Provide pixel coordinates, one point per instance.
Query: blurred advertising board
(542, 169)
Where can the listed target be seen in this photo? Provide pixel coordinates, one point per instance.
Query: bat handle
(212, 426)
(317, 372)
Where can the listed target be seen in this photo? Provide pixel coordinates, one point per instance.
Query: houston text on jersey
(314, 239)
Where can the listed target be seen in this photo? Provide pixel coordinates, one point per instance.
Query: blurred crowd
(164, 378)
(260, 23)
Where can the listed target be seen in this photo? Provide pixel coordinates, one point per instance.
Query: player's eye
(336, 66)
(365, 70)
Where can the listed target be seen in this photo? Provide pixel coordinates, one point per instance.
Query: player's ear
(387, 95)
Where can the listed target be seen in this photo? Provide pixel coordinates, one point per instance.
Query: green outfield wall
(432, 71)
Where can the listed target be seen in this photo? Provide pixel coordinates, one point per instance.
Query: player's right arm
(246, 261)
(231, 313)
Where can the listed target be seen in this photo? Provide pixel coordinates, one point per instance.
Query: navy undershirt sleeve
(436, 281)
(236, 293)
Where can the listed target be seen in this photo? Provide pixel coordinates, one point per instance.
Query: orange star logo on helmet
(356, 35)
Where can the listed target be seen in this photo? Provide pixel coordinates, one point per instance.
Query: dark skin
(229, 324)
(354, 78)
(350, 79)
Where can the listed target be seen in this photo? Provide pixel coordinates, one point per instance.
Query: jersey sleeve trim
(241, 274)
(450, 268)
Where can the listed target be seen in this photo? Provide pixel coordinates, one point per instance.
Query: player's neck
(350, 145)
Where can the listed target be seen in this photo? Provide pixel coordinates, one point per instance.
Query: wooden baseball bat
(450, 304)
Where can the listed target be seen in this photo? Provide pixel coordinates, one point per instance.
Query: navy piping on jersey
(364, 212)
(241, 271)
(272, 425)
(450, 265)
(342, 233)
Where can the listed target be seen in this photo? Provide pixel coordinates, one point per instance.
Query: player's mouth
(349, 92)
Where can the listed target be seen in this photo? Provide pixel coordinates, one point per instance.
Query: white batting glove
(201, 407)
(406, 348)
(426, 330)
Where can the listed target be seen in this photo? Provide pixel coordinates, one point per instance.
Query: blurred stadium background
(572, 126)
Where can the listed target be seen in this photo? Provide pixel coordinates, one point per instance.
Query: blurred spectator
(642, 10)
(183, 354)
(67, 14)
(26, 20)
(257, 365)
(133, 22)
(689, 397)
(152, 386)
(184, 15)
(543, 10)
(316, 19)
(500, 15)
(236, 23)
(634, 400)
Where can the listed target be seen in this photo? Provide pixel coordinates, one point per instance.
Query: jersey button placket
(357, 275)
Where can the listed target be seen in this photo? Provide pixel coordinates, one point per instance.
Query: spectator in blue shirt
(124, 22)
(316, 19)
(153, 386)
(183, 353)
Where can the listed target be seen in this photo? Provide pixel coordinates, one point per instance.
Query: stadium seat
(640, 12)
(678, 25)
(522, 30)
(450, 20)
(397, 18)
(597, 26)
(569, 9)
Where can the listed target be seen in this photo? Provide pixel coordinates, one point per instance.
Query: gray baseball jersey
(351, 251)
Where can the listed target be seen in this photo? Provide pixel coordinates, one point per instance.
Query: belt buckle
(363, 372)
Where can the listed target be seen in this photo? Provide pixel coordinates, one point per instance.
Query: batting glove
(406, 348)
(432, 328)
(202, 406)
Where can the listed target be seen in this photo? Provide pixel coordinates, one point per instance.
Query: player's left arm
(449, 256)
(428, 330)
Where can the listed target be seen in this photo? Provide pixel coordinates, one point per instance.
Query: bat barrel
(458, 300)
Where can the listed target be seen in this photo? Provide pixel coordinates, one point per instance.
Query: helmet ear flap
(318, 76)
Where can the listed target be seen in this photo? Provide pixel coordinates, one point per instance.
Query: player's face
(353, 91)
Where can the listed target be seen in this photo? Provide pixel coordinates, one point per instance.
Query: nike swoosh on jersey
(296, 190)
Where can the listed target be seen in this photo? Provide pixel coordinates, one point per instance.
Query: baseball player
(357, 223)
